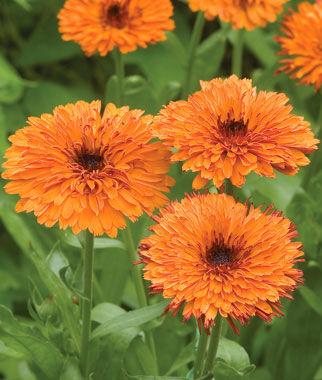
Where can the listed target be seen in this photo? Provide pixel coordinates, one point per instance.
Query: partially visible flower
(248, 14)
(302, 44)
(86, 171)
(226, 130)
(101, 25)
(215, 255)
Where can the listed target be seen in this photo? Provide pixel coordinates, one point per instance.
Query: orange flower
(226, 130)
(88, 171)
(103, 24)
(303, 44)
(214, 254)
(247, 14)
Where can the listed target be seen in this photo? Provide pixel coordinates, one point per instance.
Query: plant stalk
(201, 352)
(87, 302)
(237, 58)
(139, 285)
(213, 345)
(195, 39)
(316, 156)
(119, 70)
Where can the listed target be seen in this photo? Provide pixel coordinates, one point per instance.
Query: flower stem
(119, 69)
(213, 345)
(87, 301)
(316, 156)
(139, 286)
(195, 39)
(237, 58)
(201, 352)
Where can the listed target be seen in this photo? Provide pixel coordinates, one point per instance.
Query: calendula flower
(302, 44)
(86, 171)
(215, 255)
(101, 25)
(226, 130)
(248, 14)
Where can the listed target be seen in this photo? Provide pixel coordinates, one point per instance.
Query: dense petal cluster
(100, 25)
(226, 130)
(302, 44)
(88, 171)
(214, 254)
(248, 14)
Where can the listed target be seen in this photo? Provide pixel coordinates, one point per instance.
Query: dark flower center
(219, 254)
(232, 127)
(90, 162)
(117, 16)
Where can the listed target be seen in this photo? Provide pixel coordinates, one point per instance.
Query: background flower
(88, 171)
(214, 254)
(100, 25)
(248, 14)
(303, 44)
(226, 130)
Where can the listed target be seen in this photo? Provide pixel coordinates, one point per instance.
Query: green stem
(195, 39)
(213, 345)
(139, 286)
(237, 58)
(315, 157)
(201, 352)
(87, 302)
(119, 69)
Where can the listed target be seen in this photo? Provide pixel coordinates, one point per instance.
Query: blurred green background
(39, 71)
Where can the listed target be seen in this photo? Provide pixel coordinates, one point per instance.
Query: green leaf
(46, 45)
(186, 356)
(158, 64)
(232, 360)
(312, 299)
(262, 46)
(137, 92)
(139, 359)
(107, 354)
(32, 346)
(176, 48)
(131, 319)
(209, 57)
(71, 371)
(46, 95)
(143, 377)
(11, 85)
(24, 228)
(99, 242)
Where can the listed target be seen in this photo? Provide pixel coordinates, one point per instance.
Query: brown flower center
(233, 127)
(91, 162)
(219, 254)
(117, 16)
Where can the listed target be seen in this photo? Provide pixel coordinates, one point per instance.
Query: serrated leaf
(133, 318)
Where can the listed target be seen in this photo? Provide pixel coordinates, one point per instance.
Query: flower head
(214, 254)
(247, 14)
(86, 171)
(100, 25)
(226, 130)
(302, 44)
